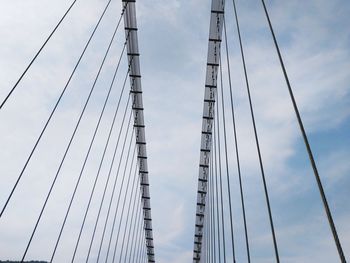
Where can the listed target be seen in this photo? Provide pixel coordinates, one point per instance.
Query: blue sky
(314, 38)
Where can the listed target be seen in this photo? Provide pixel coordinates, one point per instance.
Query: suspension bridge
(110, 187)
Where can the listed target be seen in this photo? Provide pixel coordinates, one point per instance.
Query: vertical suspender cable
(307, 144)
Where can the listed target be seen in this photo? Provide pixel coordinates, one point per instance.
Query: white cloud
(173, 42)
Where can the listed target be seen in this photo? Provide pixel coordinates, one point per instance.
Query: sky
(314, 38)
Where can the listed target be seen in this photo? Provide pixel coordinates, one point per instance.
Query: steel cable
(100, 166)
(53, 111)
(306, 142)
(70, 141)
(36, 55)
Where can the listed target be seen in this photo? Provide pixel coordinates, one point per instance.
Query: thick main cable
(236, 139)
(53, 111)
(306, 142)
(37, 54)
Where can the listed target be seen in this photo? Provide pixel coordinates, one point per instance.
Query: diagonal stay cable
(142, 242)
(131, 221)
(135, 199)
(141, 257)
(226, 158)
(205, 239)
(135, 229)
(136, 226)
(236, 141)
(100, 165)
(140, 239)
(217, 193)
(120, 190)
(206, 228)
(143, 254)
(257, 140)
(210, 211)
(116, 211)
(53, 111)
(220, 180)
(306, 142)
(89, 150)
(140, 247)
(114, 184)
(207, 222)
(70, 142)
(133, 218)
(211, 182)
(125, 229)
(138, 232)
(37, 54)
(208, 217)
